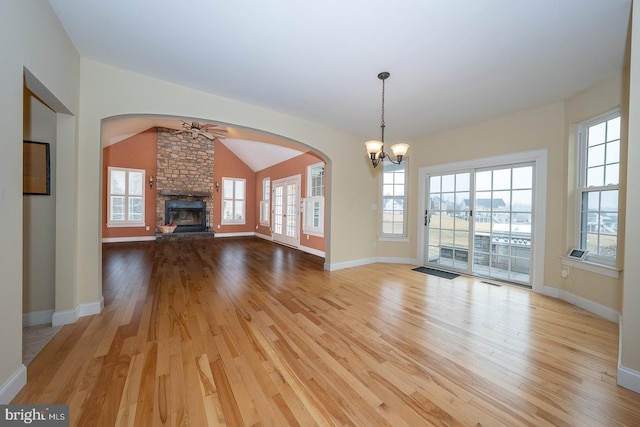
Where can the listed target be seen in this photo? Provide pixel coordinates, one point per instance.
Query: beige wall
(630, 332)
(39, 216)
(31, 38)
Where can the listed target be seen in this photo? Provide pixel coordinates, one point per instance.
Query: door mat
(434, 272)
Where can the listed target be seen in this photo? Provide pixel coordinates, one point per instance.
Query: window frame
(265, 202)
(125, 222)
(313, 203)
(242, 221)
(405, 168)
(582, 188)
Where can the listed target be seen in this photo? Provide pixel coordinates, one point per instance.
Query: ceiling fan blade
(208, 135)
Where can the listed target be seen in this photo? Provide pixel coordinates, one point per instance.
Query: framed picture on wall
(36, 171)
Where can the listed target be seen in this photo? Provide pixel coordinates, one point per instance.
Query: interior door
(286, 211)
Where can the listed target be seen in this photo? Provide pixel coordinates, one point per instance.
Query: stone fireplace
(184, 177)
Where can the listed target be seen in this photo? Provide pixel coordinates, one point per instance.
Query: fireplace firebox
(188, 215)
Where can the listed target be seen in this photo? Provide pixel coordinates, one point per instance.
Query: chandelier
(375, 149)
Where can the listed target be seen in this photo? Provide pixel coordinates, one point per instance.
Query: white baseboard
(628, 378)
(312, 251)
(13, 385)
(241, 234)
(366, 261)
(264, 236)
(591, 306)
(91, 308)
(67, 317)
(35, 318)
(128, 239)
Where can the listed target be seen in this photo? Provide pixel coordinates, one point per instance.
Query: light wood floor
(241, 331)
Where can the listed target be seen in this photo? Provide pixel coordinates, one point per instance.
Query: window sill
(313, 233)
(125, 224)
(401, 239)
(603, 270)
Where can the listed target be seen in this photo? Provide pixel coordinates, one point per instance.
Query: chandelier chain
(382, 125)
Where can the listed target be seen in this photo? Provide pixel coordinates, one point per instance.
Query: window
(394, 216)
(264, 203)
(233, 200)
(126, 197)
(598, 188)
(313, 221)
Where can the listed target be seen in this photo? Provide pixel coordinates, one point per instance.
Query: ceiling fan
(207, 130)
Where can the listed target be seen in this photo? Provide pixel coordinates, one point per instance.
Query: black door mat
(434, 272)
(490, 283)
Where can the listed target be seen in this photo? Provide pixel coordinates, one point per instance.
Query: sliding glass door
(484, 215)
(447, 220)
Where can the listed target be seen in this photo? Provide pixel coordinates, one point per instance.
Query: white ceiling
(452, 62)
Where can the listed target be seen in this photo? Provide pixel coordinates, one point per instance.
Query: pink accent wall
(295, 166)
(228, 165)
(136, 152)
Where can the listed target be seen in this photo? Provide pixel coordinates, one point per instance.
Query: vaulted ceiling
(452, 62)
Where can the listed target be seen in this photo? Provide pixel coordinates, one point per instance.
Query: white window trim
(265, 202)
(607, 265)
(125, 222)
(244, 214)
(309, 183)
(308, 204)
(395, 237)
(309, 201)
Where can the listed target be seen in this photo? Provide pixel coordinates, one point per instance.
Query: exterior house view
(232, 254)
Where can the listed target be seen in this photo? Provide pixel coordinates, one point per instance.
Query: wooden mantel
(184, 193)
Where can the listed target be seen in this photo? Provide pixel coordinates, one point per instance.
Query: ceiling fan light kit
(375, 148)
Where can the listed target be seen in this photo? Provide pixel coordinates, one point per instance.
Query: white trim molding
(367, 261)
(128, 239)
(67, 317)
(35, 318)
(241, 234)
(627, 378)
(13, 385)
(591, 306)
(311, 251)
(264, 236)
